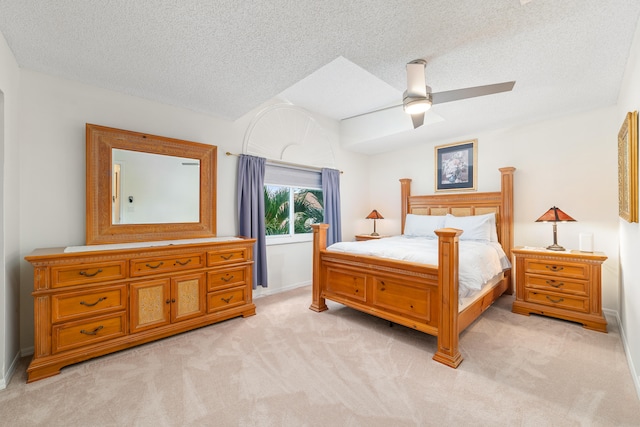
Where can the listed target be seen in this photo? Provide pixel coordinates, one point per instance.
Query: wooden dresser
(96, 301)
(566, 285)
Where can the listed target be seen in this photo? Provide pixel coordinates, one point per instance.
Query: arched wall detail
(287, 133)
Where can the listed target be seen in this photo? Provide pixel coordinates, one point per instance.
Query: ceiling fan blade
(416, 81)
(471, 92)
(417, 119)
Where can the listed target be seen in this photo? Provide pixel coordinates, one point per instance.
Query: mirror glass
(143, 187)
(154, 188)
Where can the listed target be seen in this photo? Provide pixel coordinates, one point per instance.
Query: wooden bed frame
(419, 296)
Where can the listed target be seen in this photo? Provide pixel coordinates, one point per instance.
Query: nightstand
(566, 285)
(361, 237)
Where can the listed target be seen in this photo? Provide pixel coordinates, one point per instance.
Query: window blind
(292, 176)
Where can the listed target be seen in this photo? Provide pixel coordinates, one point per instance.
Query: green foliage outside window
(307, 209)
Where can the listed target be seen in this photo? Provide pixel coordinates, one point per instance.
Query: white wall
(629, 100)
(9, 218)
(52, 170)
(568, 162)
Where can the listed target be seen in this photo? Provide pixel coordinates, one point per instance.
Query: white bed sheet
(479, 261)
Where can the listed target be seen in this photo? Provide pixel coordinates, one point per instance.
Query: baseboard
(634, 373)
(12, 369)
(264, 292)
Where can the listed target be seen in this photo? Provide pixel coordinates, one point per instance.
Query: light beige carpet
(289, 366)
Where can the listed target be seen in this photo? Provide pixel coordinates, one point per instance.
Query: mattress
(479, 261)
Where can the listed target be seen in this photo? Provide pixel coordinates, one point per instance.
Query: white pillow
(476, 227)
(423, 225)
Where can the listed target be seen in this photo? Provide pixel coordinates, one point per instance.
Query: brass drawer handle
(554, 267)
(226, 258)
(227, 279)
(183, 263)
(554, 300)
(85, 274)
(554, 283)
(94, 332)
(88, 304)
(155, 266)
(227, 300)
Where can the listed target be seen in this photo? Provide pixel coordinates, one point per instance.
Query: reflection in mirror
(154, 188)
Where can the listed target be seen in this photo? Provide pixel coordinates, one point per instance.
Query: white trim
(265, 292)
(285, 239)
(634, 373)
(12, 369)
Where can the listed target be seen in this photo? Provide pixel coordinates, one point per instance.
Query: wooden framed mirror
(143, 187)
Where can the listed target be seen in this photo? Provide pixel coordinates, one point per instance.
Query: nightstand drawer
(557, 284)
(564, 269)
(557, 300)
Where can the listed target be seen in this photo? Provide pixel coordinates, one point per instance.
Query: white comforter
(478, 261)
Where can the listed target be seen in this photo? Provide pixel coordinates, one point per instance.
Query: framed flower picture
(456, 166)
(628, 168)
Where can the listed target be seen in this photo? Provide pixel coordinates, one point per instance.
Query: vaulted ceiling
(335, 57)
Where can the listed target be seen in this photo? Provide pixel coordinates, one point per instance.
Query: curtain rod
(280, 162)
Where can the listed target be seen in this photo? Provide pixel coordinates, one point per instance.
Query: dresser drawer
(564, 269)
(557, 284)
(72, 335)
(226, 256)
(62, 276)
(73, 305)
(157, 265)
(226, 299)
(573, 303)
(226, 278)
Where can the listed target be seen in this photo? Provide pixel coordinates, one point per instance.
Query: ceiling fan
(417, 99)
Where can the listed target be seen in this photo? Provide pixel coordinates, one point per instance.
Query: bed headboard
(465, 204)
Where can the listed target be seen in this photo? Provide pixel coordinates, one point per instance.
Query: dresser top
(543, 252)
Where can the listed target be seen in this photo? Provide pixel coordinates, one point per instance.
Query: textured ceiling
(228, 57)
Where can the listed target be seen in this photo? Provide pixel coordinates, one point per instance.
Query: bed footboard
(414, 295)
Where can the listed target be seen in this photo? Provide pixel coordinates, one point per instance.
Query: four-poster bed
(420, 296)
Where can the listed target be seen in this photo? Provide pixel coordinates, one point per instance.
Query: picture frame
(628, 168)
(456, 166)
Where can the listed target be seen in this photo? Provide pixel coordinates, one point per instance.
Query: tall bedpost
(448, 352)
(405, 192)
(506, 218)
(319, 243)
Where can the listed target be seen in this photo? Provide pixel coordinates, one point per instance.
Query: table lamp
(555, 215)
(374, 215)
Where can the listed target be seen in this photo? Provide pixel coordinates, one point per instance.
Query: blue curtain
(251, 212)
(331, 199)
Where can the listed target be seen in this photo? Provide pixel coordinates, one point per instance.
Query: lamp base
(374, 234)
(555, 247)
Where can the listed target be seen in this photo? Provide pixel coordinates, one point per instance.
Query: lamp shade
(374, 215)
(554, 214)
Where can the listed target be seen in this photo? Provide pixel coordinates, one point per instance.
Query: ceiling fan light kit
(417, 104)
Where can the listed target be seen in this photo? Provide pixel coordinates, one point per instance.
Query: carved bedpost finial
(405, 192)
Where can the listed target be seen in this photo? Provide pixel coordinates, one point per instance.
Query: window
(293, 202)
